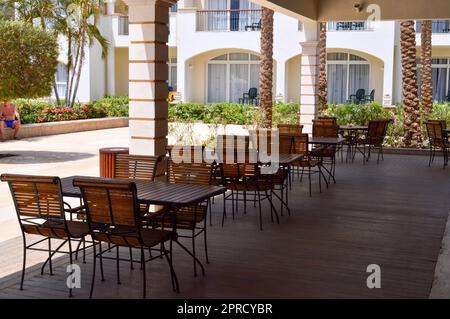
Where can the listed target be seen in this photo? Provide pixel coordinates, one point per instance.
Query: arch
(196, 74)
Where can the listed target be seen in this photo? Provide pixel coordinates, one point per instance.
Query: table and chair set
(138, 209)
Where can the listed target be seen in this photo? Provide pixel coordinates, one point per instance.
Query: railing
(349, 26)
(123, 25)
(438, 26)
(228, 20)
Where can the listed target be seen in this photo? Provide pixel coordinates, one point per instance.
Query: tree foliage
(28, 60)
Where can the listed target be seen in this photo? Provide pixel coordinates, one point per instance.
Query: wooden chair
(192, 218)
(326, 128)
(41, 211)
(113, 217)
(240, 173)
(438, 139)
(299, 145)
(374, 139)
(140, 167)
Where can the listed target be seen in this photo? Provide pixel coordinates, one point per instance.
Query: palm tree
(266, 67)
(426, 70)
(79, 24)
(412, 136)
(323, 86)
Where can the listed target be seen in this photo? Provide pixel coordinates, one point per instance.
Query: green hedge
(230, 113)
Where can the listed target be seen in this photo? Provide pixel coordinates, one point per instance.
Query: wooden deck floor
(392, 215)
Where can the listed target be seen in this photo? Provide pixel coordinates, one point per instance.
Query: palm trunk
(75, 90)
(323, 86)
(72, 77)
(426, 70)
(58, 101)
(413, 135)
(266, 67)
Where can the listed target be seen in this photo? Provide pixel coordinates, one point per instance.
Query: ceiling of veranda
(351, 10)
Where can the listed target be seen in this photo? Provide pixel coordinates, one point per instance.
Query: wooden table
(157, 193)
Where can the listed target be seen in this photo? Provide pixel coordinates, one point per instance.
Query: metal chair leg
(206, 243)
(193, 252)
(93, 269)
(144, 275)
(24, 260)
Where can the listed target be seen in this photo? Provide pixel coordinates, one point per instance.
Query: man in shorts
(9, 118)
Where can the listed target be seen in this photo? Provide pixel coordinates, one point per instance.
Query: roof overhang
(354, 10)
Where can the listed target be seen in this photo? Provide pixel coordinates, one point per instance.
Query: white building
(214, 55)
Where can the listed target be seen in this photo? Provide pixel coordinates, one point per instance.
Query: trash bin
(107, 159)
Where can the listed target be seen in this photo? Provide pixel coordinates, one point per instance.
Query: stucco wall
(293, 79)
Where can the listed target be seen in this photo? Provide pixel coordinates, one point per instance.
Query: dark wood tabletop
(326, 140)
(354, 127)
(288, 159)
(157, 193)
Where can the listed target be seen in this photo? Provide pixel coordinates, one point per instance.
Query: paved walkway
(61, 155)
(393, 214)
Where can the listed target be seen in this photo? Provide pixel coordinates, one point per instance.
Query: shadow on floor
(33, 157)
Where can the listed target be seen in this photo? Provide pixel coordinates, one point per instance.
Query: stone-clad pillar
(148, 75)
(309, 84)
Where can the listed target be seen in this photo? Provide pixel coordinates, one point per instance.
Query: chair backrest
(300, 144)
(290, 128)
(253, 93)
(325, 128)
(236, 141)
(372, 95)
(109, 202)
(360, 94)
(238, 163)
(36, 196)
(377, 130)
(286, 143)
(435, 130)
(330, 119)
(196, 172)
(186, 153)
(136, 166)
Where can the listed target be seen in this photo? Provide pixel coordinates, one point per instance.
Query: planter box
(63, 127)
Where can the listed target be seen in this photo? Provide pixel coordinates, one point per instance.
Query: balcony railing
(228, 20)
(349, 26)
(438, 26)
(123, 25)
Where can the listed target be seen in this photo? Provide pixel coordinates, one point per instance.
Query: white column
(148, 75)
(309, 84)
(388, 81)
(111, 71)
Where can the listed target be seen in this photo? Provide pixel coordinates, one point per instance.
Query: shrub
(115, 106)
(28, 60)
(357, 114)
(230, 113)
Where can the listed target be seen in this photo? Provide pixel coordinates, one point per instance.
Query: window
(346, 73)
(61, 80)
(231, 75)
(440, 78)
(438, 26)
(300, 25)
(173, 73)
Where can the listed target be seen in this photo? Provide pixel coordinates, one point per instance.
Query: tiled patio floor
(393, 214)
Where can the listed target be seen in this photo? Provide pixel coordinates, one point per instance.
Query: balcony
(349, 26)
(438, 26)
(228, 20)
